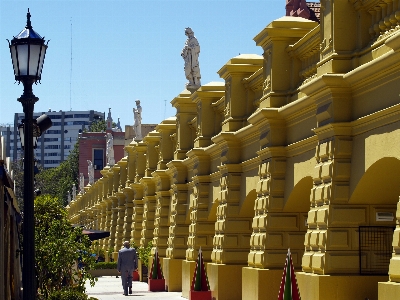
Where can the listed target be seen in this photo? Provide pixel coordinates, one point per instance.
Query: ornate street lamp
(28, 50)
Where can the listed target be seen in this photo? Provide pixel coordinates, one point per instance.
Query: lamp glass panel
(34, 59)
(41, 59)
(23, 59)
(14, 59)
(21, 130)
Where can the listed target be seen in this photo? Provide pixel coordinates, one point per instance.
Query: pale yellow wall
(377, 91)
(248, 192)
(300, 122)
(375, 171)
(298, 181)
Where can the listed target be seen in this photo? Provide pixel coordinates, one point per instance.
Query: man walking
(127, 263)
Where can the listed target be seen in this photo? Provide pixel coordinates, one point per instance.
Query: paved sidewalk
(110, 288)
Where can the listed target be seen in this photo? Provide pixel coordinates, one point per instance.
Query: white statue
(69, 198)
(73, 192)
(90, 172)
(81, 183)
(190, 54)
(110, 150)
(137, 112)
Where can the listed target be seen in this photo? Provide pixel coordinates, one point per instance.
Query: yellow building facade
(296, 149)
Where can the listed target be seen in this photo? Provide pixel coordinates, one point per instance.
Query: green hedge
(105, 265)
(69, 295)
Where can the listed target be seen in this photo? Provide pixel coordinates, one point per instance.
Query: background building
(56, 143)
(93, 147)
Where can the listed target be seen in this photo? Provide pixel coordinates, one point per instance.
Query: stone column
(119, 237)
(104, 209)
(149, 206)
(115, 172)
(207, 124)
(138, 187)
(178, 226)
(137, 213)
(161, 218)
(186, 111)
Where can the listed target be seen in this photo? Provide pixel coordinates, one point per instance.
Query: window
(53, 131)
(98, 159)
(81, 115)
(52, 154)
(81, 123)
(52, 162)
(53, 117)
(51, 139)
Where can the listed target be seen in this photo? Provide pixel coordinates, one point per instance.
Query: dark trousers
(126, 278)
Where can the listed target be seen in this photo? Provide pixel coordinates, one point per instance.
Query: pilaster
(179, 211)
(137, 214)
(119, 236)
(233, 72)
(166, 148)
(119, 230)
(161, 217)
(206, 124)
(186, 111)
(337, 43)
(149, 206)
(275, 40)
(178, 227)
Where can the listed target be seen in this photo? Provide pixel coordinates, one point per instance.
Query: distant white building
(56, 143)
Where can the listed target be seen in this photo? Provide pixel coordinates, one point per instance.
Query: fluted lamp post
(28, 50)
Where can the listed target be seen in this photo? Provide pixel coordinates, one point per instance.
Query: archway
(380, 183)
(377, 192)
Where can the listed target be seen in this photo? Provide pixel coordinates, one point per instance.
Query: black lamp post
(28, 50)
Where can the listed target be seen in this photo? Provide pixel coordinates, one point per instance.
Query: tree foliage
(17, 167)
(59, 248)
(58, 181)
(99, 125)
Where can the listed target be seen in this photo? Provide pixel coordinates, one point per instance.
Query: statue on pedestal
(90, 172)
(110, 150)
(190, 54)
(137, 113)
(81, 183)
(73, 192)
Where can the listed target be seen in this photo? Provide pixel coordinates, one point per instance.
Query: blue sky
(126, 50)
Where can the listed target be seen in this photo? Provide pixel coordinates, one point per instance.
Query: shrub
(62, 257)
(105, 265)
(144, 253)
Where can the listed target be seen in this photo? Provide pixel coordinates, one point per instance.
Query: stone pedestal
(172, 270)
(336, 287)
(225, 281)
(187, 276)
(388, 290)
(260, 284)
